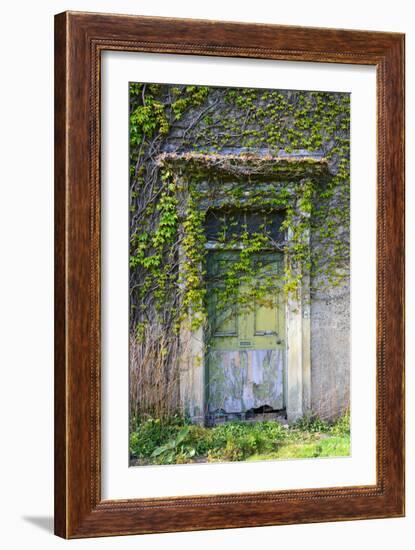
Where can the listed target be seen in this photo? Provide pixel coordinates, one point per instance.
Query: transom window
(225, 225)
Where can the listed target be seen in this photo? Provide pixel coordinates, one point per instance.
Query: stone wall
(330, 352)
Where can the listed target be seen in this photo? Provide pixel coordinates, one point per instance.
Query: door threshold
(223, 417)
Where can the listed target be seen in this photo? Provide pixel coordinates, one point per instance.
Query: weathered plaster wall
(330, 352)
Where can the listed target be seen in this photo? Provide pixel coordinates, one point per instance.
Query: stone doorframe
(298, 349)
(278, 169)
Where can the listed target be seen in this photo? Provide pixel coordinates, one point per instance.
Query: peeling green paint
(242, 380)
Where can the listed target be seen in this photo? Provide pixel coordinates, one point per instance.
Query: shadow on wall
(43, 522)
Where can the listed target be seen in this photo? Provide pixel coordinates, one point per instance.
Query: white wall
(26, 125)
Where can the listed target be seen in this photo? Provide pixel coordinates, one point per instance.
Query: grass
(330, 447)
(174, 441)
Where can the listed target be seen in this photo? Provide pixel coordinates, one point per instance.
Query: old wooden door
(246, 337)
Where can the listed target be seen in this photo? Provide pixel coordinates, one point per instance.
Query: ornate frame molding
(79, 40)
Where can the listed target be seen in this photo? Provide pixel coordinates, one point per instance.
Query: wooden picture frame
(79, 40)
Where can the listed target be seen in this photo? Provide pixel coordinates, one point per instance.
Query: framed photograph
(229, 275)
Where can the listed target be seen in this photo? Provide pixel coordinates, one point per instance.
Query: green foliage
(276, 120)
(148, 434)
(341, 427)
(147, 118)
(174, 447)
(173, 441)
(323, 448)
(236, 441)
(313, 424)
(191, 275)
(192, 96)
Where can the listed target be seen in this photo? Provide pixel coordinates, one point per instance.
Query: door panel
(245, 358)
(240, 380)
(225, 320)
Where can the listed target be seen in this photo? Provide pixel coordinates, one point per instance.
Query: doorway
(245, 362)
